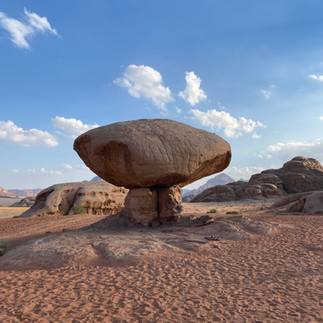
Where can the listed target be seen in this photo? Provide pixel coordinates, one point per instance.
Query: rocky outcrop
(308, 202)
(25, 202)
(5, 193)
(152, 154)
(297, 175)
(79, 197)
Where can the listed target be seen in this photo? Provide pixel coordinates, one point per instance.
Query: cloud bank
(192, 94)
(288, 150)
(72, 127)
(21, 31)
(145, 82)
(33, 137)
(231, 126)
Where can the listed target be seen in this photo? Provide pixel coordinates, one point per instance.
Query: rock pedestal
(153, 206)
(153, 158)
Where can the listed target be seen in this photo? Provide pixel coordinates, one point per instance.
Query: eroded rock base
(154, 206)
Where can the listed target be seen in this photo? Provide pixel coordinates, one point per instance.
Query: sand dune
(262, 278)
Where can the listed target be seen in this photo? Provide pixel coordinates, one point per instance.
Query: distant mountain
(26, 192)
(5, 193)
(96, 179)
(220, 179)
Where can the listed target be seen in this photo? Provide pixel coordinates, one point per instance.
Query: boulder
(78, 197)
(308, 202)
(152, 153)
(154, 158)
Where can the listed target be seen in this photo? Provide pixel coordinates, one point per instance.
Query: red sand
(273, 278)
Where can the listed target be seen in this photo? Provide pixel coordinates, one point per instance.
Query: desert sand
(275, 277)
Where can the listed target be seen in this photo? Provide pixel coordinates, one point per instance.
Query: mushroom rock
(158, 155)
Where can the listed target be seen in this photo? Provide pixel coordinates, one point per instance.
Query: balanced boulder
(155, 154)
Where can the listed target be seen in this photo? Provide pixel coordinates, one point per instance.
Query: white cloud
(243, 172)
(15, 171)
(33, 137)
(72, 126)
(178, 110)
(145, 82)
(289, 150)
(67, 166)
(321, 118)
(51, 172)
(231, 126)
(316, 77)
(22, 31)
(266, 94)
(192, 94)
(256, 136)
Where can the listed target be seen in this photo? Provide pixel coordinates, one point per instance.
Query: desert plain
(271, 277)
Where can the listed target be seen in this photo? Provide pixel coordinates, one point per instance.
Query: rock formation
(297, 175)
(154, 158)
(308, 202)
(79, 197)
(25, 202)
(5, 193)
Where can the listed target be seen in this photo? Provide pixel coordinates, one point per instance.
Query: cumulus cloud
(51, 172)
(266, 94)
(256, 136)
(178, 110)
(291, 149)
(33, 137)
(316, 77)
(192, 94)
(231, 126)
(67, 166)
(321, 118)
(72, 127)
(22, 30)
(145, 82)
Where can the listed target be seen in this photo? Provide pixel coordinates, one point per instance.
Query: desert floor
(265, 278)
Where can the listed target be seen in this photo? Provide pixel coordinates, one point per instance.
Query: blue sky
(250, 71)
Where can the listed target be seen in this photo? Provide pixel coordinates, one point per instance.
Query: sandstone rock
(79, 197)
(153, 158)
(298, 175)
(152, 153)
(169, 203)
(141, 205)
(308, 202)
(153, 206)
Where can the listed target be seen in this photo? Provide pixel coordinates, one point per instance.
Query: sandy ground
(10, 212)
(264, 278)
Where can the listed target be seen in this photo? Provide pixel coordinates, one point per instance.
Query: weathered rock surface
(79, 197)
(25, 202)
(154, 158)
(152, 153)
(297, 175)
(308, 202)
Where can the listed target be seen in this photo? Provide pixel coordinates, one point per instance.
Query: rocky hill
(5, 193)
(298, 175)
